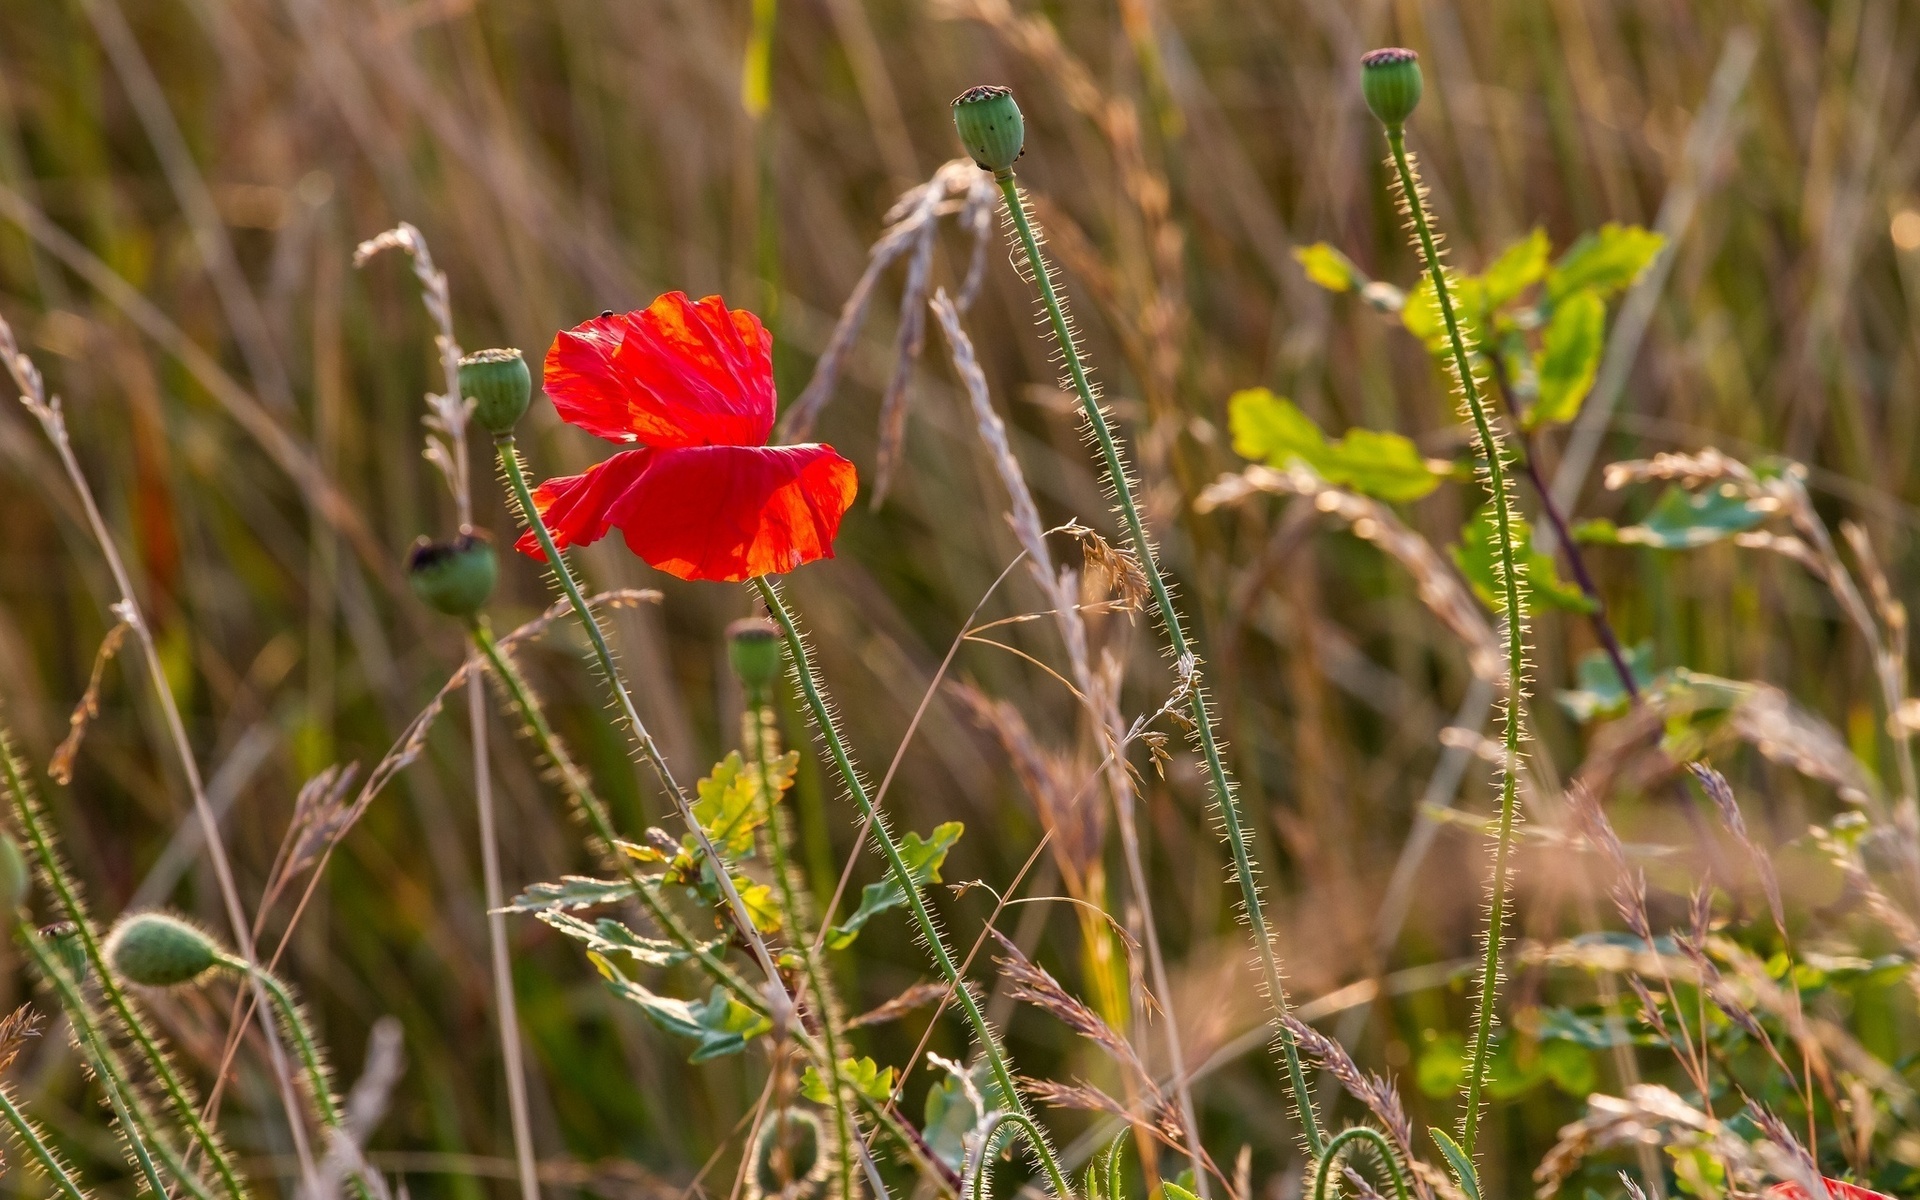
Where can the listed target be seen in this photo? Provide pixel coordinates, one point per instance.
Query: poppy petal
(729, 513)
(676, 373)
(576, 507)
(1835, 1188)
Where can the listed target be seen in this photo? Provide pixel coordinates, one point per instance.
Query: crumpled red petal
(1838, 1190)
(676, 373)
(576, 507)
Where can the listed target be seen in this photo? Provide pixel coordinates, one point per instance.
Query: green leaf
(866, 1077)
(951, 1114)
(1606, 261)
(1569, 358)
(1329, 268)
(1699, 1172)
(1175, 1192)
(923, 857)
(1588, 1029)
(1272, 429)
(573, 891)
(608, 936)
(1422, 317)
(718, 1025)
(1518, 268)
(1683, 519)
(1600, 692)
(1386, 466)
(1570, 1067)
(1442, 1067)
(1476, 559)
(1463, 1171)
(761, 907)
(729, 807)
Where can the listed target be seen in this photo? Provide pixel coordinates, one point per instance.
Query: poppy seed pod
(454, 577)
(991, 127)
(500, 386)
(1390, 80)
(13, 873)
(753, 647)
(156, 950)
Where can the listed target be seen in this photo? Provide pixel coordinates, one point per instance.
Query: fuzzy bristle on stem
(1493, 473)
(1121, 489)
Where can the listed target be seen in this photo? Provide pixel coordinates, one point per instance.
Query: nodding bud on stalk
(1390, 80)
(500, 386)
(156, 950)
(753, 647)
(991, 127)
(454, 577)
(13, 872)
(787, 1158)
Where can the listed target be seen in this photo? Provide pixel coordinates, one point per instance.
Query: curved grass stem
(823, 719)
(1513, 594)
(1221, 784)
(1330, 1158)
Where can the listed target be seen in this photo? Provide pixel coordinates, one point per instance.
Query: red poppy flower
(1836, 1189)
(703, 496)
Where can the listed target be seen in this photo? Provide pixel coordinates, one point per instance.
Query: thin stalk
(138, 1126)
(1513, 593)
(824, 721)
(594, 811)
(73, 908)
(1330, 1157)
(530, 513)
(36, 1144)
(1237, 836)
(760, 722)
(1034, 1138)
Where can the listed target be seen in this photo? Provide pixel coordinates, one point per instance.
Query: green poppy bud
(786, 1156)
(64, 936)
(991, 127)
(1390, 80)
(499, 385)
(753, 647)
(454, 577)
(14, 878)
(154, 949)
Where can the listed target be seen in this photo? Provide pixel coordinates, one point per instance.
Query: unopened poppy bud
(786, 1156)
(753, 647)
(1390, 80)
(454, 577)
(13, 873)
(991, 127)
(500, 387)
(156, 950)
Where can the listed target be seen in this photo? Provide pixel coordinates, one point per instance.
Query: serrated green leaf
(923, 857)
(1175, 1192)
(1682, 519)
(1463, 1172)
(572, 891)
(761, 907)
(608, 936)
(1475, 557)
(1386, 466)
(728, 806)
(1569, 358)
(1272, 429)
(866, 1077)
(718, 1025)
(1329, 268)
(1606, 261)
(1518, 268)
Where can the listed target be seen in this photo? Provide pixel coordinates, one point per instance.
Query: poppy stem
(823, 720)
(1237, 836)
(782, 1003)
(1513, 588)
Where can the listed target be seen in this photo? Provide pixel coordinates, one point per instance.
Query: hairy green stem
(1515, 601)
(1330, 1158)
(1236, 835)
(73, 908)
(530, 513)
(760, 720)
(829, 728)
(36, 1144)
(1034, 1138)
(136, 1125)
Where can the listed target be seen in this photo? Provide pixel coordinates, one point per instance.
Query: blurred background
(182, 184)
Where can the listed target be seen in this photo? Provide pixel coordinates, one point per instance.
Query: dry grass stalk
(60, 766)
(1375, 1091)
